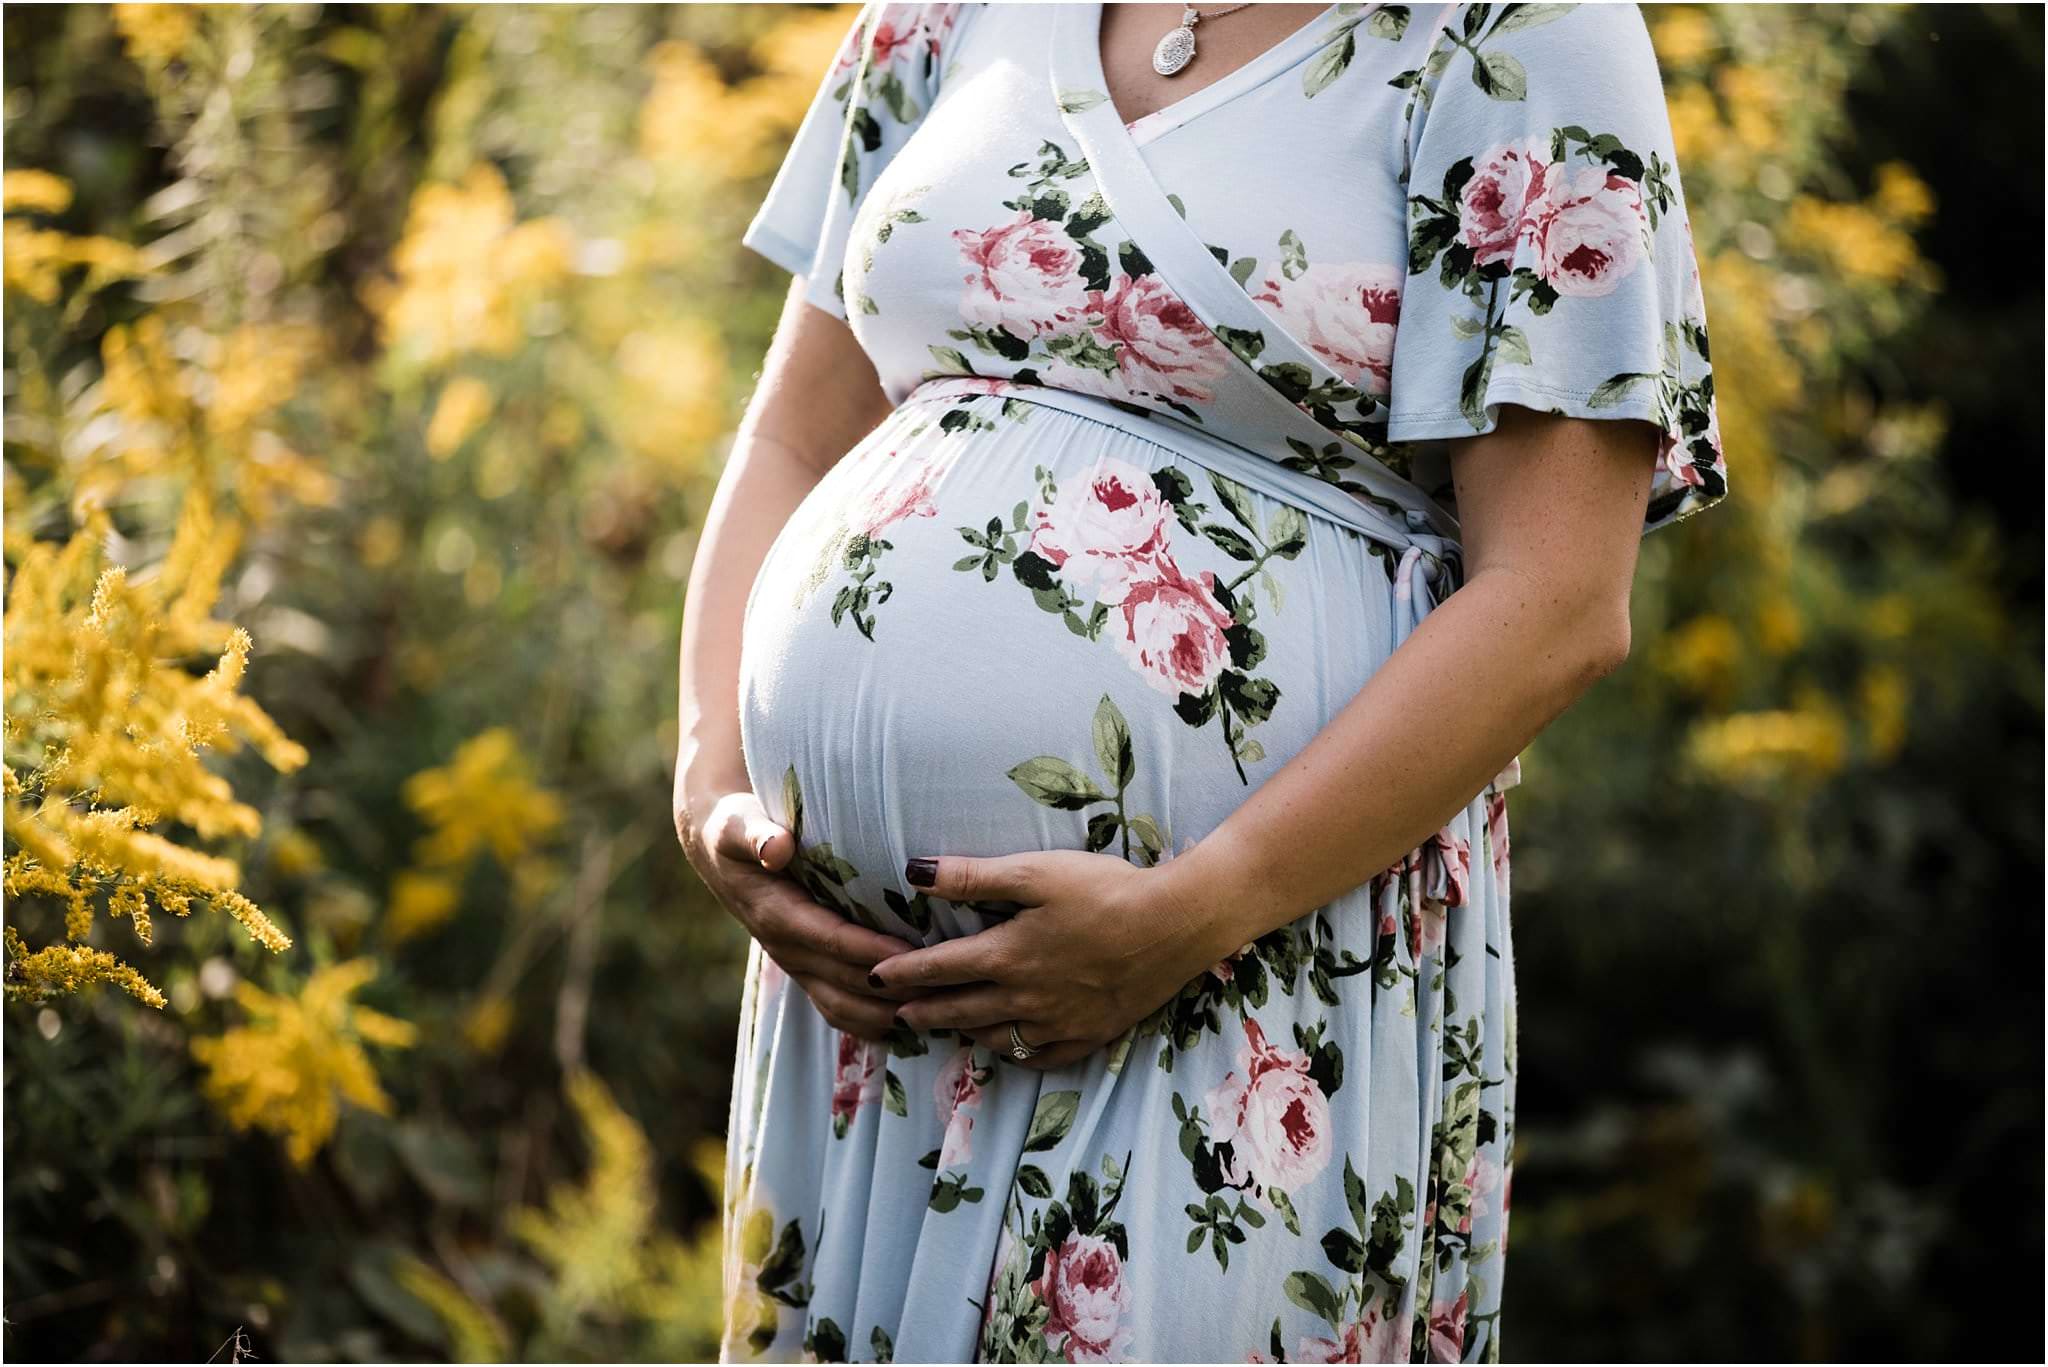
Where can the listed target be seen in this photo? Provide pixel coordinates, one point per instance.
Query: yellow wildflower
(484, 796)
(1779, 627)
(419, 903)
(1751, 748)
(1683, 35)
(1701, 654)
(156, 33)
(466, 271)
(35, 191)
(465, 404)
(116, 730)
(487, 1023)
(474, 1334)
(289, 1068)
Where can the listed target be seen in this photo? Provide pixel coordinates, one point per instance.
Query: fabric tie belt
(1430, 566)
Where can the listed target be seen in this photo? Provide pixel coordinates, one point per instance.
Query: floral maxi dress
(1167, 478)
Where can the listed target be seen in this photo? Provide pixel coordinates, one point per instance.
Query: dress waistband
(1430, 567)
(1411, 529)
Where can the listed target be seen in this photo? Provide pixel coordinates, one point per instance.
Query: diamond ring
(1019, 1050)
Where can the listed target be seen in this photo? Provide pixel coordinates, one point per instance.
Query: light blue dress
(1167, 479)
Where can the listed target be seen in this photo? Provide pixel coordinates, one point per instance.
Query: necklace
(1177, 48)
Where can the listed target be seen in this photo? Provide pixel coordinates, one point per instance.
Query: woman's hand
(1099, 945)
(739, 852)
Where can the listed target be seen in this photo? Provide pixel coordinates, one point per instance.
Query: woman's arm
(817, 397)
(1551, 511)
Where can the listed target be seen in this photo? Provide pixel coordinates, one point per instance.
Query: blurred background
(368, 370)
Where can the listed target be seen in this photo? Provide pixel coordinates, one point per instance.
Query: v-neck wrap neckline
(1186, 264)
(1274, 60)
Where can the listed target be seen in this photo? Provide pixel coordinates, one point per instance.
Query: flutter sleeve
(1550, 254)
(880, 85)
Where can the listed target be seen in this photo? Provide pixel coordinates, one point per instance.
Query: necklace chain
(1189, 14)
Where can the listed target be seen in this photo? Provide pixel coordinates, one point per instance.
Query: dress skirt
(1020, 619)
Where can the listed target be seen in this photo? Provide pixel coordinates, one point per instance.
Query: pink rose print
(902, 31)
(1344, 314)
(1588, 231)
(1481, 1177)
(893, 500)
(1083, 1286)
(1497, 837)
(1161, 346)
(1105, 532)
(1026, 277)
(1172, 630)
(1451, 880)
(1371, 1339)
(1272, 1114)
(1447, 1329)
(957, 1091)
(1493, 208)
(856, 1081)
(1507, 1191)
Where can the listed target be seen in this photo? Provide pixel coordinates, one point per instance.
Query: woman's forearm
(1477, 679)
(763, 482)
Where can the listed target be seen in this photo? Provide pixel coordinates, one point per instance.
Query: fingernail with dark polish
(922, 872)
(875, 980)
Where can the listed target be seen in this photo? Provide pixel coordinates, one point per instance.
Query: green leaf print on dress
(1053, 782)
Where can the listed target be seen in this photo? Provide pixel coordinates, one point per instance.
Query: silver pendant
(1177, 48)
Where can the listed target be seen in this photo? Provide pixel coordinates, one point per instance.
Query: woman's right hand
(740, 851)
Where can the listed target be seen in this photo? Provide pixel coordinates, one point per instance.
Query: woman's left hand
(1098, 945)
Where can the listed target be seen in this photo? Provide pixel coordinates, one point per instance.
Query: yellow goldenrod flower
(117, 730)
(466, 271)
(156, 33)
(1756, 748)
(474, 1334)
(1701, 654)
(34, 191)
(297, 1059)
(420, 902)
(465, 404)
(484, 796)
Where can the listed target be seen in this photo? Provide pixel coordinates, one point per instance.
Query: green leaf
(1389, 22)
(1235, 497)
(1613, 390)
(1076, 101)
(894, 1099)
(1514, 346)
(1500, 76)
(1288, 524)
(1051, 1120)
(1309, 1291)
(1328, 65)
(1232, 545)
(1514, 17)
(1033, 1180)
(1052, 782)
(1462, 326)
(1113, 743)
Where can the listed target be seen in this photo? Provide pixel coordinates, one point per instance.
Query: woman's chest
(1025, 228)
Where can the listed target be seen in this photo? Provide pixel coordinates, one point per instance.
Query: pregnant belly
(996, 626)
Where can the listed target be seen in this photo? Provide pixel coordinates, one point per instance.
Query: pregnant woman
(1179, 488)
